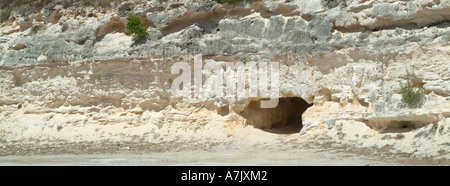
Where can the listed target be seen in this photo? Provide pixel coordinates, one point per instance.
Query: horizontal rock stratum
(69, 72)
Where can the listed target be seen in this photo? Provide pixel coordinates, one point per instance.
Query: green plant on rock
(413, 93)
(135, 28)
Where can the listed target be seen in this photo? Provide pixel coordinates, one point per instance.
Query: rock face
(70, 72)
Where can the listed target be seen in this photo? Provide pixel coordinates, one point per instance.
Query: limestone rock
(346, 58)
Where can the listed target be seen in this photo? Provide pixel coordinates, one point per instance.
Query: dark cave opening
(400, 127)
(285, 118)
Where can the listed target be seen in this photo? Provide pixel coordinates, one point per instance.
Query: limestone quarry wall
(71, 73)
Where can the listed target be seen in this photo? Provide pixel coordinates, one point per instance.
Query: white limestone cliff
(72, 74)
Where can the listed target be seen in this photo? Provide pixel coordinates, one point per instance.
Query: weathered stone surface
(344, 57)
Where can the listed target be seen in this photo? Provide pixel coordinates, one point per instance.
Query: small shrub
(135, 28)
(413, 93)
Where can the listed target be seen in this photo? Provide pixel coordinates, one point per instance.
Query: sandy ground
(211, 144)
(201, 154)
(200, 158)
(192, 158)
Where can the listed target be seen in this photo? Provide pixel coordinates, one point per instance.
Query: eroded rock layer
(69, 72)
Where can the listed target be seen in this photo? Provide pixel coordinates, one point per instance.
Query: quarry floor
(197, 158)
(219, 156)
(202, 153)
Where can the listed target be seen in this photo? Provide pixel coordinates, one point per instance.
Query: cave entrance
(400, 127)
(286, 118)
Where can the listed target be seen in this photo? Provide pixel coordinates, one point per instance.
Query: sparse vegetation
(413, 93)
(231, 2)
(135, 27)
(26, 8)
